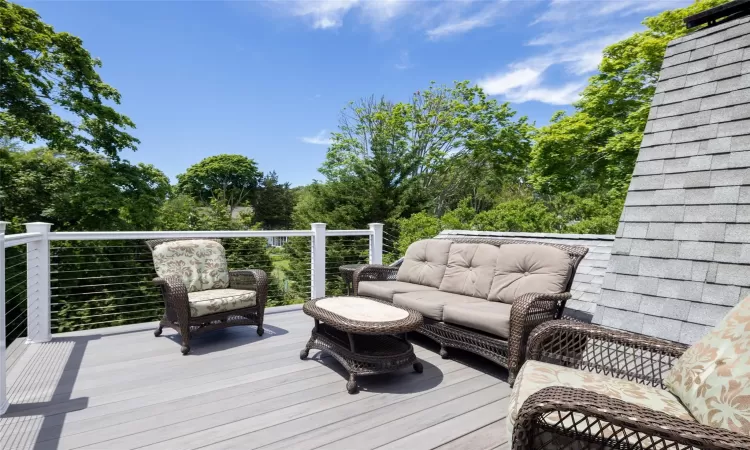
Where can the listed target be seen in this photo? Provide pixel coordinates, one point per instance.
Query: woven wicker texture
(563, 418)
(363, 347)
(177, 306)
(527, 311)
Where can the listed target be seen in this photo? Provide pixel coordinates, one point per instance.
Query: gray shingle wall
(587, 284)
(681, 256)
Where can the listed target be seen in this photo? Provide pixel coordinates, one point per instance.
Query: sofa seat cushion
(470, 269)
(490, 317)
(424, 262)
(535, 375)
(712, 377)
(384, 290)
(212, 301)
(525, 268)
(431, 303)
(201, 263)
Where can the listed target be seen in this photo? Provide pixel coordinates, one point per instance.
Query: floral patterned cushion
(535, 375)
(219, 300)
(712, 378)
(200, 263)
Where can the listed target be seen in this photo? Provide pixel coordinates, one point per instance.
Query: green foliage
(43, 71)
(274, 203)
(90, 192)
(231, 179)
(594, 149)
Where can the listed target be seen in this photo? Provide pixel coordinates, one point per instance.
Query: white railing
(100, 291)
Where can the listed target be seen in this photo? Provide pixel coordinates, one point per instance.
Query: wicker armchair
(241, 301)
(527, 311)
(562, 417)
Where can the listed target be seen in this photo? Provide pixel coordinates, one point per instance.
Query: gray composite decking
(123, 388)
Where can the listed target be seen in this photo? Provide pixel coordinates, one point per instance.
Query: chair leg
(185, 335)
(443, 352)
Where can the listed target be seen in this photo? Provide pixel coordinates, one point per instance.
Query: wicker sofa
(200, 293)
(585, 386)
(483, 295)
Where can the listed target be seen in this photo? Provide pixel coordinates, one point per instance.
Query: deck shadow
(224, 339)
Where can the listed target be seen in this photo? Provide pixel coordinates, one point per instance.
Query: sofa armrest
(619, 354)
(372, 272)
(528, 311)
(175, 295)
(251, 279)
(620, 424)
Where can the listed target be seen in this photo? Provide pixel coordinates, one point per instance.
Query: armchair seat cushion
(431, 303)
(491, 317)
(212, 301)
(535, 375)
(385, 290)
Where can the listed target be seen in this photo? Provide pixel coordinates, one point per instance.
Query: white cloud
(322, 14)
(576, 10)
(506, 82)
(437, 18)
(524, 80)
(322, 138)
(403, 61)
(485, 17)
(559, 95)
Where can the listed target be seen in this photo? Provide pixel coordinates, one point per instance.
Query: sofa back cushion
(470, 269)
(712, 377)
(201, 263)
(525, 268)
(424, 262)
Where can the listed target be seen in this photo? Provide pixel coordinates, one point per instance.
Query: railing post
(376, 243)
(38, 291)
(318, 261)
(3, 340)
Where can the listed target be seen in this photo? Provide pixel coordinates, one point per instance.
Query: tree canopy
(43, 71)
(231, 179)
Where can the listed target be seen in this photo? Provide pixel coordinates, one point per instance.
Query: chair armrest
(175, 295)
(619, 354)
(528, 311)
(251, 279)
(621, 424)
(372, 272)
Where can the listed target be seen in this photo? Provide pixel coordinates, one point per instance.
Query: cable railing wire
(94, 280)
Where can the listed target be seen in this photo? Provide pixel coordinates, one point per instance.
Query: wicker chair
(564, 417)
(241, 301)
(527, 312)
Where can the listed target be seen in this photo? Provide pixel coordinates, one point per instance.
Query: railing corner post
(38, 289)
(3, 339)
(318, 261)
(376, 243)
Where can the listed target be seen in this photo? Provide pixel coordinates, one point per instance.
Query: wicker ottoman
(365, 335)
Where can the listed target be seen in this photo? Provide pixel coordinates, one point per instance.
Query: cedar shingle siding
(681, 256)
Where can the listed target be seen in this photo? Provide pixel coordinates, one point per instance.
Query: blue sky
(268, 79)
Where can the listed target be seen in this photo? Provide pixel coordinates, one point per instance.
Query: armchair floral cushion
(712, 377)
(201, 264)
(535, 376)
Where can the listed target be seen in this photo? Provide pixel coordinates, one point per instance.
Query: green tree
(229, 179)
(83, 192)
(594, 149)
(41, 71)
(274, 203)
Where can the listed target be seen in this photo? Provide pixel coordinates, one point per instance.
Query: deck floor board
(123, 388)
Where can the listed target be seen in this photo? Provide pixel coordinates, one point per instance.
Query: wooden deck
(123, 388)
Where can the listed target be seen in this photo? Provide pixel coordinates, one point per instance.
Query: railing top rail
(12, 240)
(348, 232)
(119, 235)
